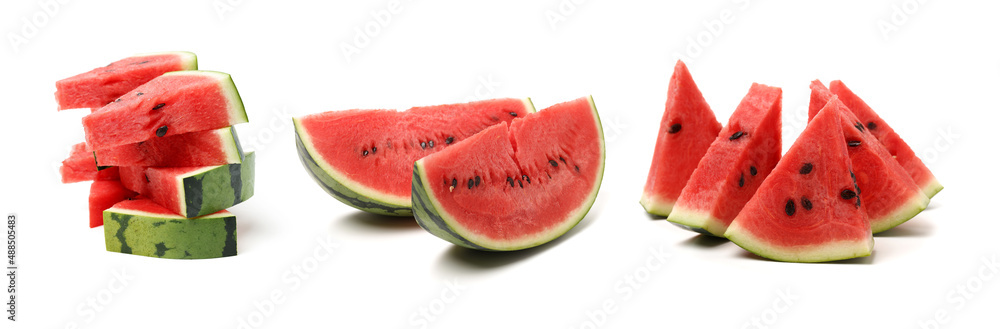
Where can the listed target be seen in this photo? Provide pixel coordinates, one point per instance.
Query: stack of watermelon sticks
(162, 154)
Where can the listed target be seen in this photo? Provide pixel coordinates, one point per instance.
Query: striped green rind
(338, 190)
(217, 187)
(170, 236)
(433, 218)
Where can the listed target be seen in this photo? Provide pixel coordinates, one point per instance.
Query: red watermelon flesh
(134, 178)
(80, 166)
(891, 195)
(102, 85)
(200, 148)
(510, 188)
(898, 148)
(736, 163)
(687, 129)
(171, 104)
(808, 208)
(103, 195)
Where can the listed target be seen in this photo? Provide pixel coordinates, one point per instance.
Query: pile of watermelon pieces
(162, 153)
(847, 176)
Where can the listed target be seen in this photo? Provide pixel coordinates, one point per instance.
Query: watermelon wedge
(687, 129)
(142, 227)
(200, 148)
(514, 187)
(103, 195)
(80, 166)
(102, 85)
(898, 148)
(736, 163)
(891, 195)
(808, 209)
(194, 191)
(171, 104)
(364, 158)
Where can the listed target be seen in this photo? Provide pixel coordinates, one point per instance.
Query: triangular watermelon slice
(687, 129)
(898, 148)
(808, 209)
(892, 196)
(734, 166)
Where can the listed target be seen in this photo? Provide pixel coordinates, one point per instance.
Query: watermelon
(103, 85)
(103, 195)
(687, 129)
(142, 227)
(514, 187)
(364, 158)
(892, 196)
(194, 149)
(736, 163)
(80, 166)
(172, 104)
(898, 148)
(809, 208)
(194, 191)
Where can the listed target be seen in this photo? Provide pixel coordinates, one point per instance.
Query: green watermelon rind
(657, 207)
(167, 235)
(198, 198)
(903, 213)
(932, 187)
(348, 191)
(237, 112)
(432, 217)
(697, 221)
(826, 252)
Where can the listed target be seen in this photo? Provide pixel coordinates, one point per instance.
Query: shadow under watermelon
(369, 221)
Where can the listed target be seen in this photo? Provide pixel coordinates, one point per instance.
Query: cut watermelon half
(103, 85)
(80, 166)
(142, 227)
(200, 148)
(511, 188)
(736, 163)
(103, 195)
(687, 129)
(364, 158)
(194, 191)
(898, 148)
(891, 195)
(172, 104)
(808, 209)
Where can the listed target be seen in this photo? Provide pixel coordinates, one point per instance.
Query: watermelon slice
(734, 166)
(891, 195)
(898, 148)
(511, 188)
(103, 85)
(142, 227)
(200, 148)
(194, 191)
(687, 129)
(103, 195)
(80, 166)
(172, 104)
(364, 158)
(808, 209)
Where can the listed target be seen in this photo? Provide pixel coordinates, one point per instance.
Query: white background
(933, 75)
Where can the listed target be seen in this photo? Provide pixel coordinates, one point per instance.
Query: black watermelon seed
(513, 114)
(454, 182)
(806, 168)
(139, 93)
(857, 202)
(147, 178)
(753, 171)
(674, 128)
(511, 181)
(159, 106)
(860, 127)
(526, 178)
(423, 145)
(160, 132)
(520, 184)
(790, 207)
(553, 163)
(853, 143)
(364, 153)
(118, 100)
(449, 140)
(855, 180)
(848, 194)
(872, 126)
(430, 143)
(561, 159)
(471, 182)
(577, 168)
(806, 204)
(478, 180)
(374, 149)
(736, 136)
(741, 180)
